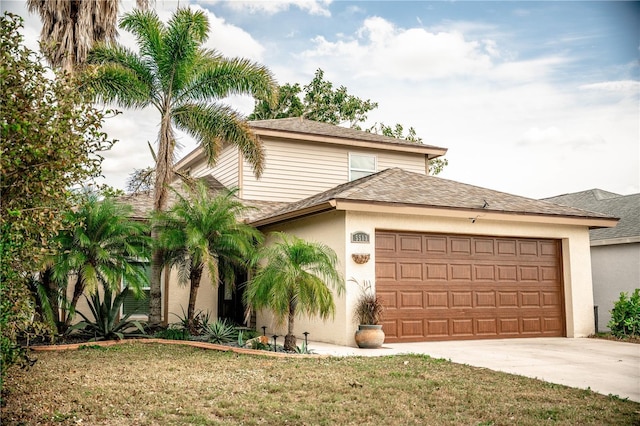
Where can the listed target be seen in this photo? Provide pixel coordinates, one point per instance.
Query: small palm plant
(204, 231)
(296, 277)
(101, 247)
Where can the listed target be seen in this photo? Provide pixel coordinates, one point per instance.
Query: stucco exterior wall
(616, 269)
(335, 229)
(207, 299)
(329, 229)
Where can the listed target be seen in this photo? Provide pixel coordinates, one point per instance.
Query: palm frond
(218, 77)
(212, 125)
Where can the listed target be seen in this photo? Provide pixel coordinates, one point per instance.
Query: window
(137, 306)
(361, 165)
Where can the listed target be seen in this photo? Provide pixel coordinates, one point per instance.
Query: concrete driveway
(606, 367)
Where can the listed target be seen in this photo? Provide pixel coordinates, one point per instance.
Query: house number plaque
(360, 237)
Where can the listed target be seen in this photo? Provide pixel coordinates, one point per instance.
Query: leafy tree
(70, 28)
(185, 83)
(320, 102)
(204, 231)
(435, 166)
(49, 140)
(141, 180)
(288, 105)
(295, 278)
(102, 247)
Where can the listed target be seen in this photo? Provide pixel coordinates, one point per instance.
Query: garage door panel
(437, 299)
(388, 299)
(437, 272)
(410, 271)
(487, 326)
(466, 287)
(485, 299)
(435, 245)
(483, 247)
(508, 299)
(528, 248)
(529, 299)
(411, 300)
(484, 273)
(462, 327)
(461, 299)
(529, 273)
(507, 273)
(460, 246)
(386, 271)
(508, 326)
(412, 328)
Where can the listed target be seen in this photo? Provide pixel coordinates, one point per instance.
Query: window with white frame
(361, 165)
(137, 305)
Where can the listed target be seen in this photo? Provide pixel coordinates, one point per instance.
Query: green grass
(152, 384)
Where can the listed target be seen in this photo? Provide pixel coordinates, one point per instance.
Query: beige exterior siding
(295, 171)
(225, 170)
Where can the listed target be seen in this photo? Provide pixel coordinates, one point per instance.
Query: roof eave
(475, 214)
(296, 214)
(463, 213)
(429, 151)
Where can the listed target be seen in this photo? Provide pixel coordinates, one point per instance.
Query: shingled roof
(142, 202)
(310, 127)
(403, 188)
(626, 207)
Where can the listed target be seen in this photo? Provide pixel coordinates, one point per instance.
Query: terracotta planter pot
(369, 336)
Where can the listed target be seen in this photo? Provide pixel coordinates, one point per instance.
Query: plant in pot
(368, 315)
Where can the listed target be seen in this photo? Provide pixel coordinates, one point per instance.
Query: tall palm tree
(101, 247)
(296, 278)
(70, 28)
(184, 82)
(205, 231)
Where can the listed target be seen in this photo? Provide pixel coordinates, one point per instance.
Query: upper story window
(361, 165)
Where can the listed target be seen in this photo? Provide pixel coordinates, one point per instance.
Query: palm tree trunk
(155, 286)
(52, 294)
(290, 338)
(194, 276)
(78, 289)
(164, 164)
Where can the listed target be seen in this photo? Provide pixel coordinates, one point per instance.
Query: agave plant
(220, 332)
(107, 324)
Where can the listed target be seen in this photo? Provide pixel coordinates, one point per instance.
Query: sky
(531, 98)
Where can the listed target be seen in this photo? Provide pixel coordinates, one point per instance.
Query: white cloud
(271, 7)
(622, 86)
(553, 136)
(380, 48)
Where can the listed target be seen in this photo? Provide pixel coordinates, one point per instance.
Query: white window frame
(360, 170)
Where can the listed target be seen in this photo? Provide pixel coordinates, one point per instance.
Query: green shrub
(173, 334)
(625, 315)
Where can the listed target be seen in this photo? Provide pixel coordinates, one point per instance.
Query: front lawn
(153, 384)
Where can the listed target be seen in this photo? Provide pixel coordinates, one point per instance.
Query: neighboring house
(449, 260)
(615, 252)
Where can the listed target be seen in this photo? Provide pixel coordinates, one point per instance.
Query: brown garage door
(450, 287)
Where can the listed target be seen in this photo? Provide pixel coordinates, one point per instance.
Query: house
(615, 252)
(449, 260)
